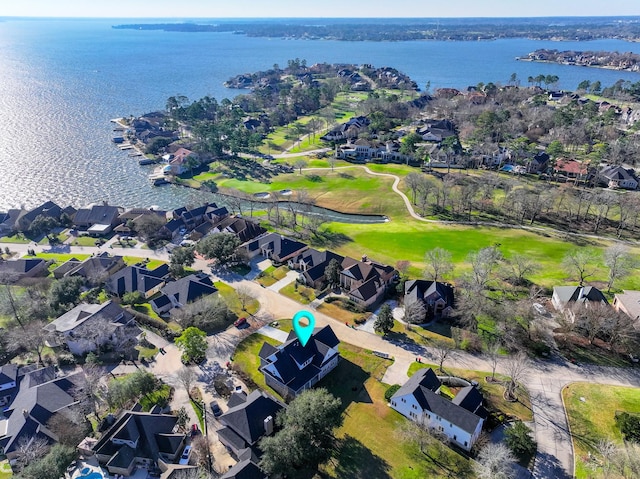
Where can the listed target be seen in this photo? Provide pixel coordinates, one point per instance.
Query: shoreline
(600, 67)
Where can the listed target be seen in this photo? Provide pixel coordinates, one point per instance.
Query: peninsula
(611, 60)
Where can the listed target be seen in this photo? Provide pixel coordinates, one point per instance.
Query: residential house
(247, 420)
(568, 169)
(15, 270)
(94, 269)
(47, 209)
(312, 264)
(363, 151)
(138, 278)
(146, 439)
(292, 368)
(365, 281)
(8, 383)
(565, 298)
(91, 327)
(246, 467)
(8, 220)
(436, 130)
(275, 247)
(40, 394)
(460, 419)
(244, 229)
(173, 229)
(615, 176)
(436, 297)
(97, 219)
(539, 163)
(350, 129)
(628, 302)
(180, 162)
(136, 214)
(177, 294)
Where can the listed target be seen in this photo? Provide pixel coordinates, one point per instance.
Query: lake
(61, 81)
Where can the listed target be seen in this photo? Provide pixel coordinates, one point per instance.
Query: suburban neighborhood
(368, 279)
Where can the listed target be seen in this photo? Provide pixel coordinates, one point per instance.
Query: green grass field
(231, 298)
(593, 418)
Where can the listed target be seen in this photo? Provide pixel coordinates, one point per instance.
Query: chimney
(580, 293)
(364, 258)
(268, 425)
(25, 413)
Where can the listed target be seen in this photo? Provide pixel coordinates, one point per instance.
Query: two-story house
(292, 368)
(459, 419)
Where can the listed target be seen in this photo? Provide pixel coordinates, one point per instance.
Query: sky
(316, 9)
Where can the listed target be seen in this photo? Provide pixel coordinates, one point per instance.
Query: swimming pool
(88, 473)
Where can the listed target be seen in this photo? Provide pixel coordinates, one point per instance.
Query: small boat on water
(146, 161)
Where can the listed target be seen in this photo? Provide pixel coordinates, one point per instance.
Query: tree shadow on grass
(355, 460)
(346, 382)
(441, 461)
(329, 239)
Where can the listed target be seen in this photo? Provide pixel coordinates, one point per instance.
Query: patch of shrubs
(629, 425)
(391, 390)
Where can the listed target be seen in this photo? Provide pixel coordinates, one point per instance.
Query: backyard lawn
(246, 358)
(591, 411)
(298, 292)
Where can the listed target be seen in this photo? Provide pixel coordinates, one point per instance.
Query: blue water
(61, 81)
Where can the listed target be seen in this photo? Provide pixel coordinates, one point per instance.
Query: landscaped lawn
(344, 316)
(370, 445)
(19, 238)
(246, 358)
(370, 441)
(5, 469)
(419, 335)
(591, 411)
(272, 275)
(60, 258)
(61, 239)
(150, 263)
(231, 298)
(492, 392)
(298, 292)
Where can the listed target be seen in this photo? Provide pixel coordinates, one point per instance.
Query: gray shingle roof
(247, 419)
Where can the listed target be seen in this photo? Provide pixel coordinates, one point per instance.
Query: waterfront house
(247, 420)
(39, 394)
(15, 270)
(176, 294)
(139, 279)
(182, 158)
(145, 439)
(97, 219)
(460, 419)
(436, 297)
(292, 368)
(92, 327)
(47, 209)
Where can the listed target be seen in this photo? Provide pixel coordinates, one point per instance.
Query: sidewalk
(287, 280)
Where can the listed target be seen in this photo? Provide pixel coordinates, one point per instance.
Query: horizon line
(61, 17)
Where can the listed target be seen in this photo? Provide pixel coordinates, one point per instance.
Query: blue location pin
(303, 332)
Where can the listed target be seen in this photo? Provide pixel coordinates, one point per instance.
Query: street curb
(566, 416)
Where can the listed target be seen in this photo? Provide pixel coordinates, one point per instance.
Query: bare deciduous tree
(245, 296)
(619, 262)
(442, 350)
(415, 312)
(580, 262)
(493, 357)
(438, 262)
(483, 263)
(30, 338)
(520, 266)
(517, 368)
(187, 377)
(31, 448)
(495, 461)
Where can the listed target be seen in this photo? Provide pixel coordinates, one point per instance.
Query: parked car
(215, 408)
(184, 459)
(240, 322)
(194, 430)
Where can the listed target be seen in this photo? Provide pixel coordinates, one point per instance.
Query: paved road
(545, 381)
